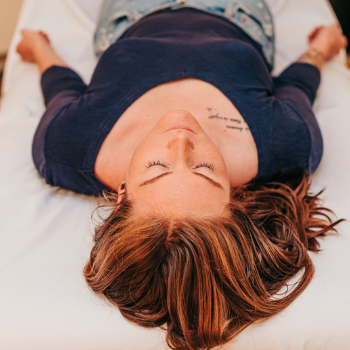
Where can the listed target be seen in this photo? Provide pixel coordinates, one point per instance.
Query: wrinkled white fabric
(45, 232)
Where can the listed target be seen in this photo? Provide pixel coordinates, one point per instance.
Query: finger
(334, 25)
(315, 30)
(314, 33)
(345, 41)
(46, 37)
(339, 28)
(312, 37)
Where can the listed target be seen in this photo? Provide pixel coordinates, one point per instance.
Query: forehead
(180, 197)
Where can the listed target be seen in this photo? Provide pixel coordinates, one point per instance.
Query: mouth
(181, 127)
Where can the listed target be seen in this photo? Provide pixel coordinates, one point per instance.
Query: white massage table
(46, 232)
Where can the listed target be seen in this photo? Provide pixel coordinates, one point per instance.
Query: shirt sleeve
(295, 93)
(61, 83)
(298, 82)
(57, 151)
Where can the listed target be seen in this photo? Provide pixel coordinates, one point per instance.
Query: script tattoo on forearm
(231, 123)
(316, 57)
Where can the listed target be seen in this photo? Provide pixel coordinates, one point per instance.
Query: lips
(181, 127)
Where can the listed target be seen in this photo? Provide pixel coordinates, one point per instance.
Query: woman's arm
(300, 81)
(324, 44)
(60, 139)
(295, 92)
(35, 47)
(60, 84)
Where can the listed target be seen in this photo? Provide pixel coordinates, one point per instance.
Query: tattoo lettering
(216, 116)
(234, 127)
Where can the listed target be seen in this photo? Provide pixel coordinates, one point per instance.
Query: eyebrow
(151, 181)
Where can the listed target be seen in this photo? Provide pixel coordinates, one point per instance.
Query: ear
(121, 193)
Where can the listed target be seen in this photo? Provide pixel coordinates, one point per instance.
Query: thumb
(344, 41)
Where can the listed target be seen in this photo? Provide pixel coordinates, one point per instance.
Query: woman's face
(177, 170)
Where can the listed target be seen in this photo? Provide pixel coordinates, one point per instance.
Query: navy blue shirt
(160, 48)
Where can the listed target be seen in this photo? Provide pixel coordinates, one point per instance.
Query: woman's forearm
(46, 57)
(313, 56)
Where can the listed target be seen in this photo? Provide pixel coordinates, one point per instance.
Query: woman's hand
(35, 47)
(324, 44)
(328, 40)
(30, 44)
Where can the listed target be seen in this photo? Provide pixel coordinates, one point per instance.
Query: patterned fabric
(253, 16)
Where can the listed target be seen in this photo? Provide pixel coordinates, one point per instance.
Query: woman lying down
(204, 157)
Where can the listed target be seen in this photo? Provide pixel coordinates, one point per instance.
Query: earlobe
(121, 192)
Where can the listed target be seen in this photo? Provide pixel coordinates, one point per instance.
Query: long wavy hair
(204, 281)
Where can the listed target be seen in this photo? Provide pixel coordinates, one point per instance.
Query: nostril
(180, 140)
(190, 143)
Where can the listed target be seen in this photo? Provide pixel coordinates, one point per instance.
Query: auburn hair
(205, 280)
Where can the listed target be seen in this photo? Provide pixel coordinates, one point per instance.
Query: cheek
(134, 168)
(148, 150)
(144, 153)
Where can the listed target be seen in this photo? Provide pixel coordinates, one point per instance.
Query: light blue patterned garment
(253, 16)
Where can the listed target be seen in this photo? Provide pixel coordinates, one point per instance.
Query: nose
(180, 116)
(180, 143)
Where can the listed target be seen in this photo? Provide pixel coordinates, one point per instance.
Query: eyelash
(204, 164)
(196, 166)
(158, 162)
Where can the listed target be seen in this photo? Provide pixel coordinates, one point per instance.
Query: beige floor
(9, 10)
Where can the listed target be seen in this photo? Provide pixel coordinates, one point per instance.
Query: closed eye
(158, 162)
(196, 166)
(204, 165)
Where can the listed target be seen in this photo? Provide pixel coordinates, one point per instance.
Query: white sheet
(45, 232)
